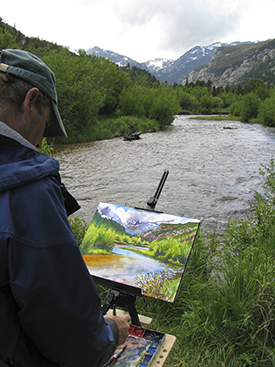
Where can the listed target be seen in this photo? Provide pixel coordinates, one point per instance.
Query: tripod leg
(133, 313)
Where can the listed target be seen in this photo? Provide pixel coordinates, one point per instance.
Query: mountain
(172, 71)
(114, 57)
(176, 71)
(238, 64)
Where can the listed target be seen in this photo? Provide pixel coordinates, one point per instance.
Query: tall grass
(225, 311)
(107, 128)
(224, 314)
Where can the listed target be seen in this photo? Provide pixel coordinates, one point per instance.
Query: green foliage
(79, 228)
(140, 76)
(170, 250)
(258, 87)
(46, 148)
(266, 114)
(188, 102)
(78, 81)
(160, 103)
(165, 105)
(235, 109)
(225, 311)
(206, 104)
(98, 238)
(249, 107)
(132, 101)
(7, 40)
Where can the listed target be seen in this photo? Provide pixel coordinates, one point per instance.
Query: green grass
(216, 118)
(224, 314)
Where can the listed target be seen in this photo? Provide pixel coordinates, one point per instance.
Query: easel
(124, 299)
(152, 201)
(127, 300)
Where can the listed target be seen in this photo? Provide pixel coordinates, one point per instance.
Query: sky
(142, 29)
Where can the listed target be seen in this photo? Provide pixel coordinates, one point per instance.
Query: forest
(99, 100)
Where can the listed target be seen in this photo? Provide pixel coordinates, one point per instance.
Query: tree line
(253, 102)
(98, 99)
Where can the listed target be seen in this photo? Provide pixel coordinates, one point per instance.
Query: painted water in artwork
(139, 248)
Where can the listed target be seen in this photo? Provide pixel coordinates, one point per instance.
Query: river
(213, 170)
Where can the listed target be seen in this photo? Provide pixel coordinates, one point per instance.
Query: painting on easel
(145, 250)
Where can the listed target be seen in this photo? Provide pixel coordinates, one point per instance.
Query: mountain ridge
(239, 64)
(168, 70)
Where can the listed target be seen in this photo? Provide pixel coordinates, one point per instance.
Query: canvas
(145, 252)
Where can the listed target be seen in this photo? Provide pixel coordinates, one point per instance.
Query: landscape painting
(139, 248)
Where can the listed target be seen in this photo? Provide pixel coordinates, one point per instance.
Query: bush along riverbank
(225, 311)
(108, 127)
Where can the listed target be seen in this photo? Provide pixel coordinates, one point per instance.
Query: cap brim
(57, 128)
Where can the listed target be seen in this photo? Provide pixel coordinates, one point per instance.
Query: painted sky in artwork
(136, 221)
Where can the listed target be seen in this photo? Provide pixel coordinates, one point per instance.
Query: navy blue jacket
(50, 311)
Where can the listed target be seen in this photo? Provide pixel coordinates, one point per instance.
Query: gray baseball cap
(31, 69)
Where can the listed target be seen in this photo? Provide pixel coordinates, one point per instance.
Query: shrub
(249, 107)
(79, 228)
(267, 112)
(235, 109)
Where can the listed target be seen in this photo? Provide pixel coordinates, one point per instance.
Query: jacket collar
(11, 133)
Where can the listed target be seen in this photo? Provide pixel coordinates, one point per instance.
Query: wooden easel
(128, 301)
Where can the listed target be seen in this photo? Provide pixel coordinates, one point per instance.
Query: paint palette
(142, 345)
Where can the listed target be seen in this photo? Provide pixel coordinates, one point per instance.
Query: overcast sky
(142, 29)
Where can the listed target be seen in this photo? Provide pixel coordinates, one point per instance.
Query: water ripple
(213, 171)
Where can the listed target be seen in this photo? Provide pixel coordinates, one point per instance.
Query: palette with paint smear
(142, 346)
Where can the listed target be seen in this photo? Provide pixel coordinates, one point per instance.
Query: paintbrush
(115, 357)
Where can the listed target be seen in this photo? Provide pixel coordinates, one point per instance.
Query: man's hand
(123, 323)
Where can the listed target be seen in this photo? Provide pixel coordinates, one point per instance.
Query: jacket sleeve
(59, 306)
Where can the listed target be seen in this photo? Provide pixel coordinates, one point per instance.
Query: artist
(50, 311)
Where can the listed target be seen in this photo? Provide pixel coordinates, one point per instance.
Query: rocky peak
(238, 64)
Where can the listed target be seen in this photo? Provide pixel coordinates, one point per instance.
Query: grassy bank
(224, 313)
(107, 128)
(216, 118)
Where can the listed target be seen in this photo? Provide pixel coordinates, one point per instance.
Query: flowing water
(213, 170)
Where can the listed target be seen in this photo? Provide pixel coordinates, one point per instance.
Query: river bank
(109, 128)
(118, 126)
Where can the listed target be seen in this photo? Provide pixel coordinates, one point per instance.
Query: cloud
(197, 23)
(142, 29)
(170, 27)
(173, 26)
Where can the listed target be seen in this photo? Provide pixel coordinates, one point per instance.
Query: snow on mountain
(171, 71)
(118, 59)
(157, 63)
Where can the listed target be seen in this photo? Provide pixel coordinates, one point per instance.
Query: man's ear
(29, 101)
